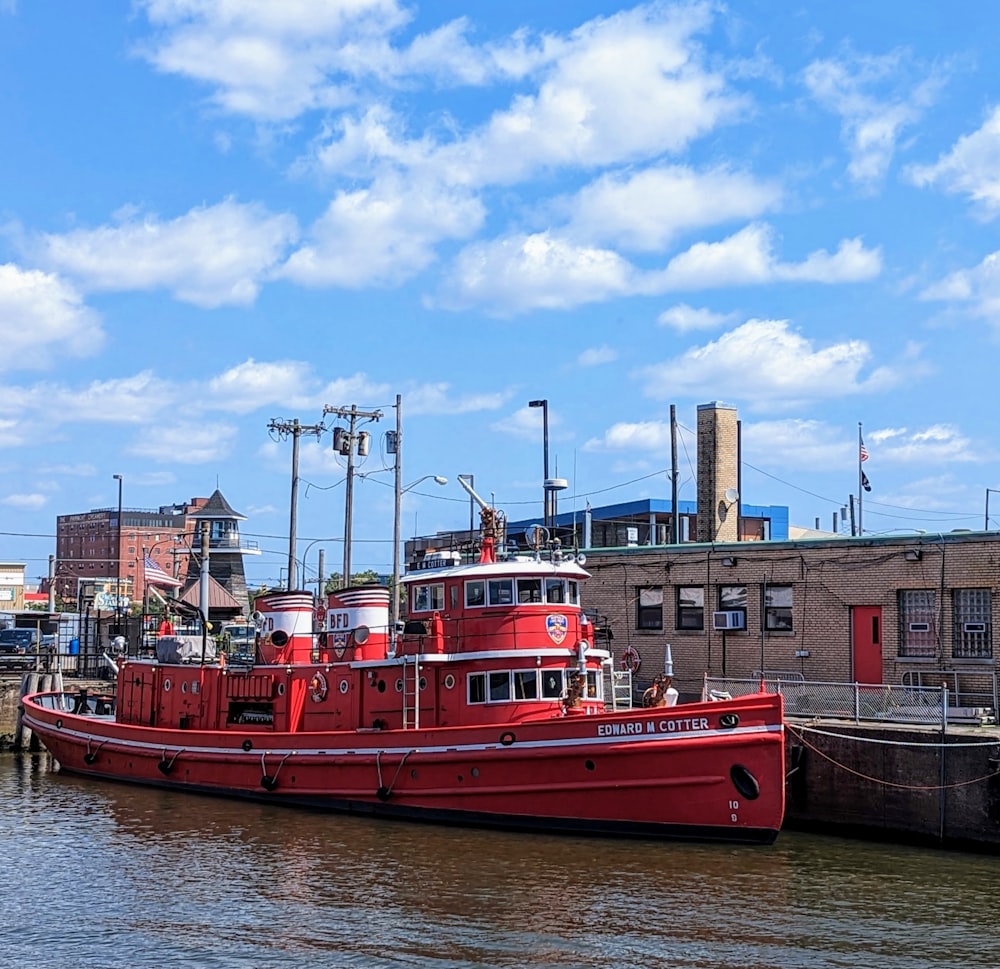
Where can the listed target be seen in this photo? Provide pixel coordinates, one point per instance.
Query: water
(102, 876)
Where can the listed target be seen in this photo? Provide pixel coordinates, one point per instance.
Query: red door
(866, 643)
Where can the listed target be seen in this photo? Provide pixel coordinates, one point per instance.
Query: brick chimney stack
(718, 451)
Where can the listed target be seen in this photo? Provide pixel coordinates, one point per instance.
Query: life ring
(631, 660)
(317, 687)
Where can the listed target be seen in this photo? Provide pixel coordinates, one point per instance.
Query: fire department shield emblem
(556, 627)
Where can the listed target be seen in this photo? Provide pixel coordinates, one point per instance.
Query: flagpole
(861, 490)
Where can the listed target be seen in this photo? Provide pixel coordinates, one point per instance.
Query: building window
(733, 598)
(690, 607)
(427, 598)
(972, 626)
(650, 609)
(917, 636)
(778, 608)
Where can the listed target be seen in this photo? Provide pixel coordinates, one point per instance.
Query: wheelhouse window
(690, 607)
(917, 622)
(521, 685)
(525, 684)
(778, 608)
(555, 590)
(972, 624)
(649, 614)
(500, 592)
(499, 685)
(529, 590)
(475, 593)
(427, 598)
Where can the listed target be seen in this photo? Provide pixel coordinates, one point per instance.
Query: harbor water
(102, 876)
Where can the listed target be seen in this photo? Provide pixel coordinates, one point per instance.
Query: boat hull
(707, 771)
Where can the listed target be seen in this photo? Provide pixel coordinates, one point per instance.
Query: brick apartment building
(868, 610)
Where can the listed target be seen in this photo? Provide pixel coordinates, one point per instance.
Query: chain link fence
(848, 701)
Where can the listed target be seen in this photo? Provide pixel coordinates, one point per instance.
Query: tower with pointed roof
(225, 559)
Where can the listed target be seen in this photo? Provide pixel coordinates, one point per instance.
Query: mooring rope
(883, 781)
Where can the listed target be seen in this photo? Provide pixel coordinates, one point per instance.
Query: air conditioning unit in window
(729, 619)
(973, 627)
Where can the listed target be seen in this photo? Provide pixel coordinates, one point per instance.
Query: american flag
(863, 452)
(156, 576)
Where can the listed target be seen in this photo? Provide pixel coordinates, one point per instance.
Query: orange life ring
(317, 687)
(631, 660)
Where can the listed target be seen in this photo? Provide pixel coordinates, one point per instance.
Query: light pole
(118, 560)
(996, 491)
(544, 404)
(438, 479)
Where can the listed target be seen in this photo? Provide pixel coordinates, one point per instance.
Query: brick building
(894, 610)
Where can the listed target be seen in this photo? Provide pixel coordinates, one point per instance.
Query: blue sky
(214, 215)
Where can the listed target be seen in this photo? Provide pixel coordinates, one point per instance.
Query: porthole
(344, 686)
(184, 688)
(474, 772)
(423, 682)
(166, 685)
(399, 686)
(281, 689)
(449, 682)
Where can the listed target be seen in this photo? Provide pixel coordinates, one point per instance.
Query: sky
(220, 217)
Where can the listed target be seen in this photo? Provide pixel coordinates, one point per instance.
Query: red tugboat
(486, 707)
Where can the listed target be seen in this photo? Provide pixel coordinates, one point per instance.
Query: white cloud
(770, 365)
(617, 89)
(127, 400)
(978, 286)
(524, 272)
(871, 125)
(596, 356)
(272, 61)
(646, 210)
(683, 318)
(932, 446)
(640, 436)
(185, 443)
(526, 422)
(439, 399)
(382, 234)
(30, 502)
(251, 385)
(211, 256)
(624, 87)
(799, 444)
(43, 319)
(971, 167)
(747, 258)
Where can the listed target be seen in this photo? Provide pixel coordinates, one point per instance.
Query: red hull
(707, 771)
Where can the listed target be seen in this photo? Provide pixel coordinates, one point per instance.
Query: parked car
(18, 648)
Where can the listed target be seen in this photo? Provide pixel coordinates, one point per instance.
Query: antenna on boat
(492, 524)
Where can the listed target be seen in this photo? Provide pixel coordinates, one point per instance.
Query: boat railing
(885, 703)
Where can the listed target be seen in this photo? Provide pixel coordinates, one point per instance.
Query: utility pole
(283, 429)
(348, 443)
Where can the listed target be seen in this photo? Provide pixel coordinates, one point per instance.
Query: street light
(995, 491)
(544, 404)
(118, 561)
(438, 479)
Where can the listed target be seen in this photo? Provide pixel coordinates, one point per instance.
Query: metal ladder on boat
(411, 692)
(617, 689)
